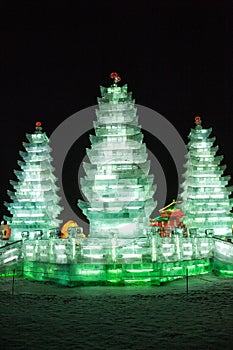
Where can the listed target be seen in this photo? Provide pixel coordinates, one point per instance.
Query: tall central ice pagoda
(117, 185)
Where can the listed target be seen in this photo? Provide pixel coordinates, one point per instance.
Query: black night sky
(175, 56)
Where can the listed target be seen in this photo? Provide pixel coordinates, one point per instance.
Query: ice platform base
(114, 274)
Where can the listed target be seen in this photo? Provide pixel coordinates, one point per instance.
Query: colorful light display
(123, 246)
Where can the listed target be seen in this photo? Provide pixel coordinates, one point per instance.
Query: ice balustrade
(223, 251)
(10, 253)
(154, 248)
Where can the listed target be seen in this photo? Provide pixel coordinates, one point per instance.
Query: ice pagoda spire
(205, 194)
(34, 200)
(117, 185)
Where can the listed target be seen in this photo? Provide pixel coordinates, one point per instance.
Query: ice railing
(223, 250)
(10, 253)
(154, 249)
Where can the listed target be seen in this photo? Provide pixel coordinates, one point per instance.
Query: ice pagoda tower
(117, 185)
(206, 201)
(34, 203)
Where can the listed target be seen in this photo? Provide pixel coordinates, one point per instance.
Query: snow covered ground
(47, 316)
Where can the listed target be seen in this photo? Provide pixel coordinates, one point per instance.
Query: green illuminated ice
(118, 187)
(205, 195)
(34, 200)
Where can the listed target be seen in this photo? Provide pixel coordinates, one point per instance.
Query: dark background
(176, 57)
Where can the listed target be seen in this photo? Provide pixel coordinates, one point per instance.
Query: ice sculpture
(34, 204)
(206, 201)
(117, 185)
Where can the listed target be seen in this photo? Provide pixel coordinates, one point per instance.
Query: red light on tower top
(198, 122)
(113, 75)
(38, 128)
(115, 78)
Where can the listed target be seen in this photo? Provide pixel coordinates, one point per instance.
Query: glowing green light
(90, 272)
(143, 280)
(226, 272)
(115, 271)
(139, 270)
